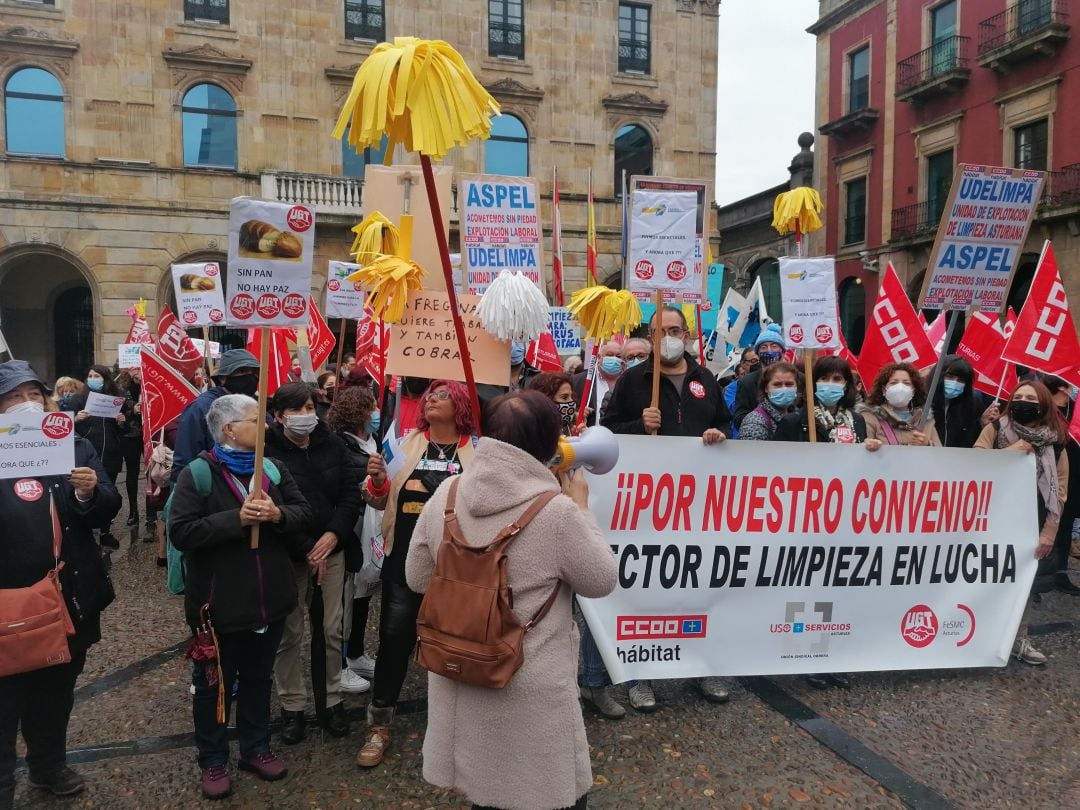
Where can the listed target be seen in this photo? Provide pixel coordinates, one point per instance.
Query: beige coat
(904, 437)
(522, 747)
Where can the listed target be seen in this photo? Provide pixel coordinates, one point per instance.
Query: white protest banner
(500, 228)
(808, 293)
(200, 300)
(564, 330)
(271, 246)
(663, 242)
(702, 190)
(344, 298)
(982, 231)
(103, 405)
(36, 444)
(810, 558)
(215, 348)
(127, 355)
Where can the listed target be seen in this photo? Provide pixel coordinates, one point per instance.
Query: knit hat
(771, 334)
(233, 360)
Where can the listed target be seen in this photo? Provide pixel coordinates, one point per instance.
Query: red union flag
(895, 334)
(982, 345)
(140, 329)
(843, 352)
(280, 362)
(372, 341)
(165, 393)
(1044, 337)
(541, 354)
(174, 346)
(320, 337)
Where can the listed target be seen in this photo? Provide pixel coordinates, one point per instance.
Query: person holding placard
(835, 395)
(131, 441)
(893, 408)
(40, 700)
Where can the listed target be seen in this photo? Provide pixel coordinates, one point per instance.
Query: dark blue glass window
(209, 115)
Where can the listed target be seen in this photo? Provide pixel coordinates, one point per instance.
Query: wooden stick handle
(260, 427)
(808, 372)
(658, 336)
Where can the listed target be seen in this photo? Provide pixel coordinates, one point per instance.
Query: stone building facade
(128, 127)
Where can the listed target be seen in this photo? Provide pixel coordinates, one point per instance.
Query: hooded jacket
(699, 407)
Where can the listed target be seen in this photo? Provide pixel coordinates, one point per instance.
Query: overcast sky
(765, 92)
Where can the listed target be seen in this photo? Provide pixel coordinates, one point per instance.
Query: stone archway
(166, 296)
(49, 310)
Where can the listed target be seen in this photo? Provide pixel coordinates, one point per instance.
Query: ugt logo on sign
(919, 626)
(630, 628)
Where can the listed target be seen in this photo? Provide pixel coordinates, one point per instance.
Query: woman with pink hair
(440, 447)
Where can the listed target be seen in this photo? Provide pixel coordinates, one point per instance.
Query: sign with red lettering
(895, 334)
(1045, 336)
(810, 558)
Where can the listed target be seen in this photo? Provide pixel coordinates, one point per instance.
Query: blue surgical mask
(517, 354)
(783, 397)
(829, 394)
(637, 361)
(954, 388)
(95, 384)
(611, 365)
(374, 422)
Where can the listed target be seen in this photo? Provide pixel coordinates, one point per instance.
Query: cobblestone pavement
(983, 738)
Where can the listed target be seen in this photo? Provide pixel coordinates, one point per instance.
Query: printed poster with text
(500, 229)
(35, 444)
(702, 190)
(754, 558)
(344, 298)
(808, 292)
(271, 247)
(200, 301)
(982, 232)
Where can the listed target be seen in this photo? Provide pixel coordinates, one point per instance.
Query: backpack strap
(543, 611)
(200, 474)
(890, 434)
(270, 469)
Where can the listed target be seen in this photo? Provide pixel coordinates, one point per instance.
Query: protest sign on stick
(501, 229)
(200, 301)
(694, 282)
(36, 445)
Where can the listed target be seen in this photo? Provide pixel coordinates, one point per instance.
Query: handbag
(160, 467)
(34, 622)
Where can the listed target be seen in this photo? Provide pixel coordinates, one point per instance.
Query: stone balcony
(331, 196)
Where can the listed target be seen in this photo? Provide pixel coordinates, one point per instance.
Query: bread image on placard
(261, 240)
(193, 282)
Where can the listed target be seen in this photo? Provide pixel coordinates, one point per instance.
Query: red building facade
(909, 88)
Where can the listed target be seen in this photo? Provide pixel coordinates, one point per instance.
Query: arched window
(354, 164)
(209, 115)
(507, 150)
(853, 312)
(633, 153)
(34, 113)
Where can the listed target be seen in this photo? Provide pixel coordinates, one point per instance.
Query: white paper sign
(344, 298)
(808, 291)
(271, 247)
(200, 300)
(500, 228)
(215, 348)
(663, 242)
(128, 355)
(33, 445)
(103, 405)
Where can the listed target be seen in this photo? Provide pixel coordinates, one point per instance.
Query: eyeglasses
(254, 421)
(440, 395)
(674, 331)
(637, 356)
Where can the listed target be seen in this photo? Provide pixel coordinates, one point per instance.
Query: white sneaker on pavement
(354, 683)
(642, 697)
(364, 665)
(1023, 651)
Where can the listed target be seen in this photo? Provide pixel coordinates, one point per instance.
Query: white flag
(4, 346)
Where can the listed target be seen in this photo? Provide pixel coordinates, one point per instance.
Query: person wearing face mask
(557, 388)
(769, 346)
(610, 366)
(960, 412)
(1031, 424)
(833, 408)
(237, 373)
(1054, 570)
(329, 478)
(780, 384)
(893, 410)
(327, 385)
(39, 702)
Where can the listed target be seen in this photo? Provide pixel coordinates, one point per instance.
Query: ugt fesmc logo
(639, 628)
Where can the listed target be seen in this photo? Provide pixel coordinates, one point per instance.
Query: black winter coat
(105, 434)
(698, 408)
(746, 395)
(354, 552)
(246, 588)
(793, 428)
(26, 541)
(327, 476)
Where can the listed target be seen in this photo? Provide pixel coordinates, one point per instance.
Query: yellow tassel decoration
(603, 312)
(625, 312)
(375, 236)
(419, 93)
(390, 278)
(797, 211)
(140, 307)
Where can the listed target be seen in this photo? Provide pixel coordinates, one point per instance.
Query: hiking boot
(292, 727)
(215, 782)
(335, 722)
(642, 697)
(1023, 651)
(363, 666)
(352, 681)
(377, 739)
(62, 782)
(603, 701)
(712, 689)
(267, 766)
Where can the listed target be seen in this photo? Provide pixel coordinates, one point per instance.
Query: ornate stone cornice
(708, 7)
(342, 75)
(636, 104)
(514, 92)
(206, 57)
(21, 42)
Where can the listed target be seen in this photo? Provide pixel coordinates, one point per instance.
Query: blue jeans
(592, 673)
(249, 658)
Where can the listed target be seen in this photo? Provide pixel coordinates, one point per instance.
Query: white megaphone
(597, 450)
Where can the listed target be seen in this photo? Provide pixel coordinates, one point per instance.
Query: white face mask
(301, 424)
(26, 406)
(899, 394)
(672, 349)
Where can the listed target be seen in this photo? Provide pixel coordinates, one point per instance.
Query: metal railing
(365, 19)
(1063, 187)
(913, 220)
(506, 39)
(1016, 22)
(945, 55)
(207, 10)
(634, 56)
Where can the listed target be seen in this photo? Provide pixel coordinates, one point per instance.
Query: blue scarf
(238, 462)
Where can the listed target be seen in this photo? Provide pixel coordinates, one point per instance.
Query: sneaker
(642, 697)
(64, 782)
(712, 689)
(267, 766)
(363, 666)
(353, 682)
(1023, 651)
(603, 701)
(376, 744)
(215, 782)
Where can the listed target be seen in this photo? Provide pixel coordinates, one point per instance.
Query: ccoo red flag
(541, 354)
(279, 367)
(895, 334)
(174, 346)
(1044, 337)
(982, 345)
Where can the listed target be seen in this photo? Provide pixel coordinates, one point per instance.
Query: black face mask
(1026, 412)
(246, 384)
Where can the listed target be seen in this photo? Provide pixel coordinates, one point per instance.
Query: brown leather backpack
(467, 630)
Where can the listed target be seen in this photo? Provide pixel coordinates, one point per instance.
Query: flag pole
(939, 366)
(260, 426)
(340, 348)
(658, 336)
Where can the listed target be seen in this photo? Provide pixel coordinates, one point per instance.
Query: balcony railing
(914, 220)
(365, 20)
(634, 56)
(1063, 187)
(207, 11)
(325, 193)
(1028, 18)
(947, 58)
(506, 39)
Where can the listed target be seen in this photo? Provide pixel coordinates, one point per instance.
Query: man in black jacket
(328, 477)
(40, 701)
